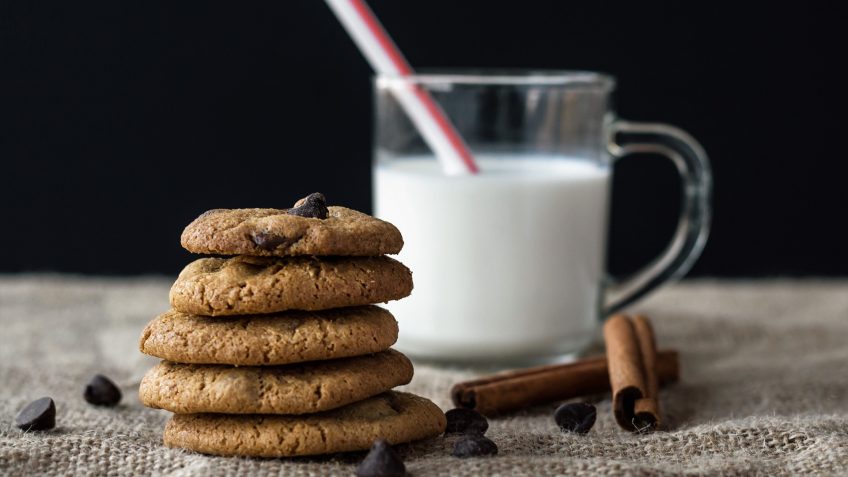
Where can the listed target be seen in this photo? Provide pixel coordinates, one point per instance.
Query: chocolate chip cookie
(280, 338)
(278, 233)
(292, 389)
(248, 285)
(394, 416)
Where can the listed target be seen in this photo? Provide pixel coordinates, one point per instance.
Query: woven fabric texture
(764, 390)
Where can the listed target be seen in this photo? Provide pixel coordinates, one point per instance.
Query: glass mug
(508, 264)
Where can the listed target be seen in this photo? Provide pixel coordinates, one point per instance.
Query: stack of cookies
(279, 350)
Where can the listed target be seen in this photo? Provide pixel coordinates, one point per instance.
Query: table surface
(764, 389)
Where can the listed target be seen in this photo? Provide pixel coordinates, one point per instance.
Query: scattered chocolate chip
(471, 445)
(267, 241)
(38, 415)
(101, 391)
(381, 461)
(465, 421)
(576, 417)
(314, 205)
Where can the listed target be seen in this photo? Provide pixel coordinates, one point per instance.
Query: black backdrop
(121, 121)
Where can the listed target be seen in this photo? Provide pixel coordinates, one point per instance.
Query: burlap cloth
(764, 390)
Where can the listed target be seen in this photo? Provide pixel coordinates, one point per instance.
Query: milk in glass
(509, 261)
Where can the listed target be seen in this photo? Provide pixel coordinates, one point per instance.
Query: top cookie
(278, 233)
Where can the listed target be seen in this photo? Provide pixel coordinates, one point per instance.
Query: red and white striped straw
(430, 120)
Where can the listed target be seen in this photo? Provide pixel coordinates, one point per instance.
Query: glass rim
(518, 77)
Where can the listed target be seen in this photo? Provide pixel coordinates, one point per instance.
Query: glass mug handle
(694, 222)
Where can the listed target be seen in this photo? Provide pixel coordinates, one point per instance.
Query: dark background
(121, 121)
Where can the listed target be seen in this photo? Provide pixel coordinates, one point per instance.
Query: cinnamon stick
(633, 372)
(513, 390)
(647, 410)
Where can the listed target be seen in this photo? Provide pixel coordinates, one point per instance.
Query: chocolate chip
(38, 415)
(267, 241)
(465, 421)
(471, 445)
(381, 461)
(576, 417)
(314, 205)
(101, 391)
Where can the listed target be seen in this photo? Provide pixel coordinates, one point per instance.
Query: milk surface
(507, 264)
